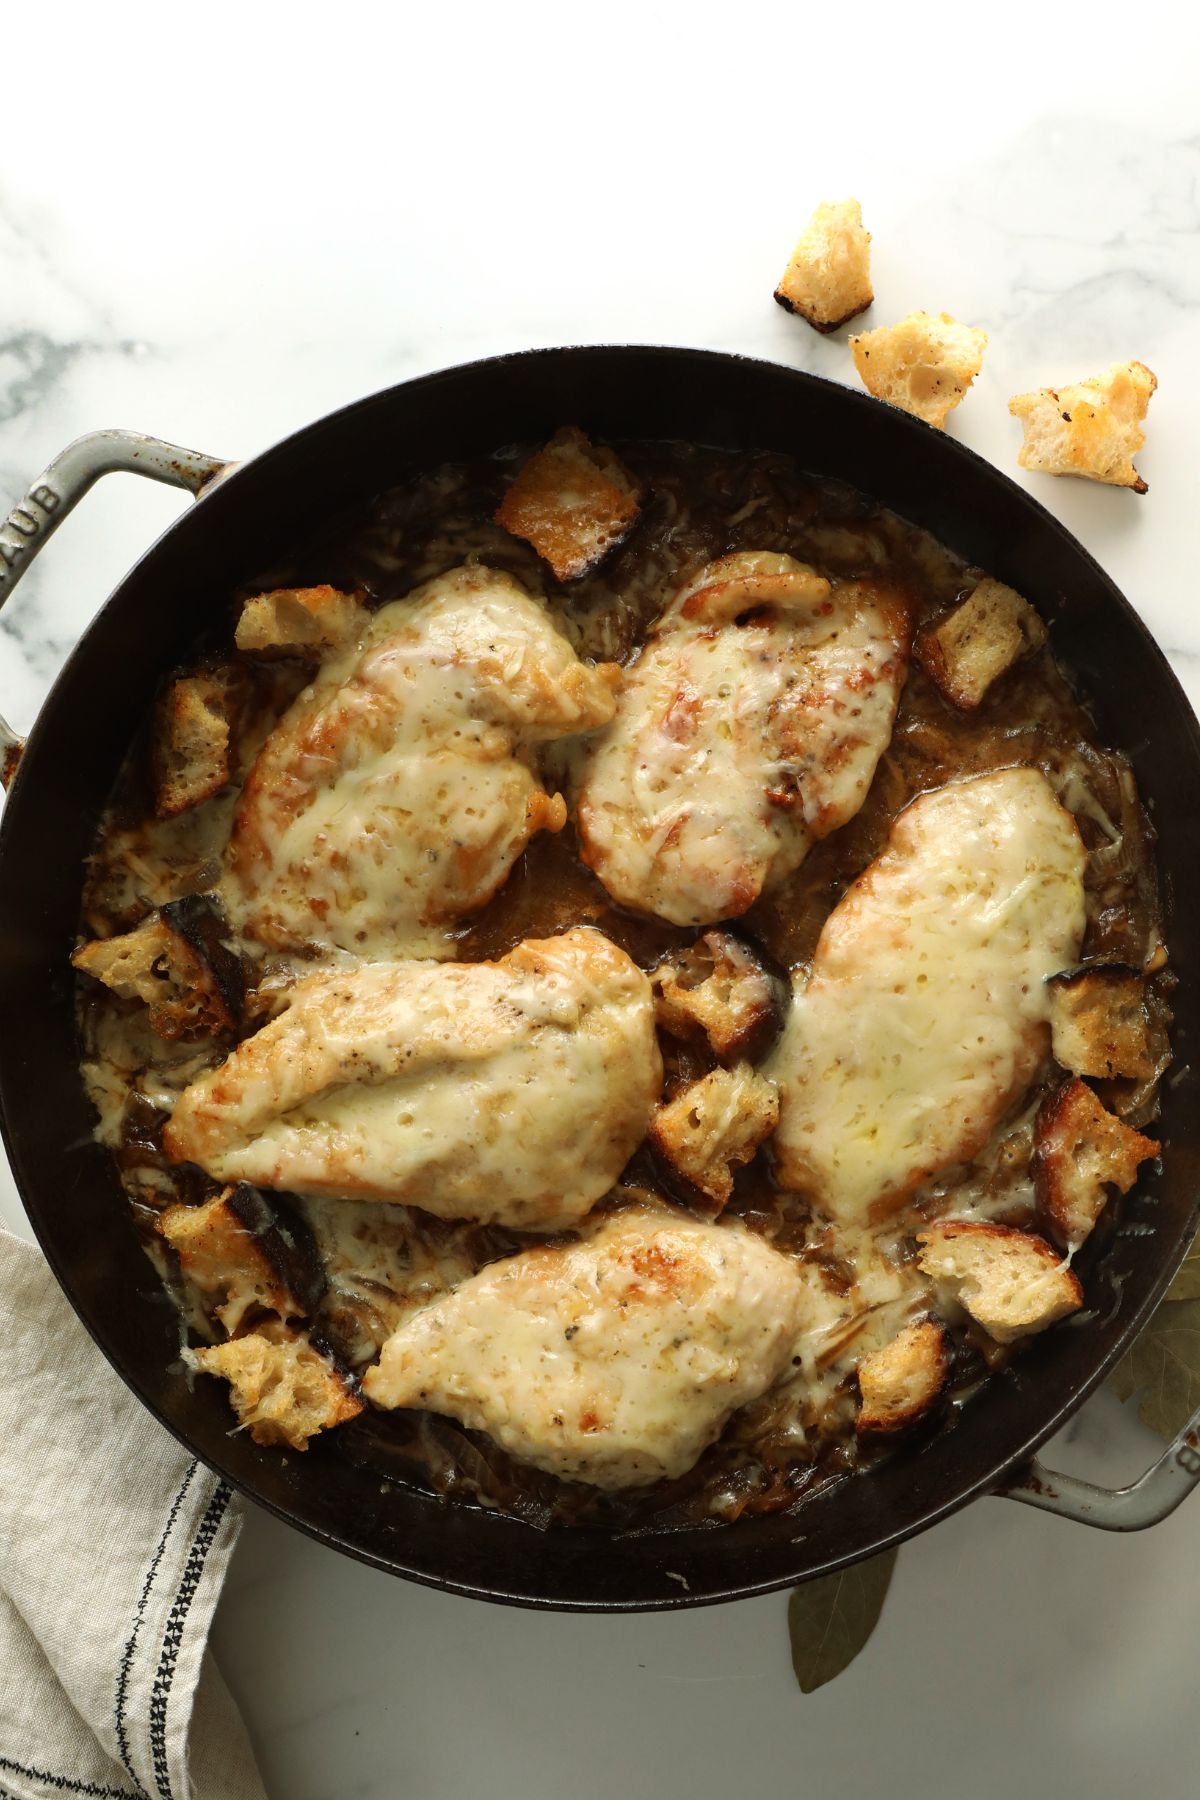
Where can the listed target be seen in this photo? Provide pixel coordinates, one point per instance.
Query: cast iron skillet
(256, 516)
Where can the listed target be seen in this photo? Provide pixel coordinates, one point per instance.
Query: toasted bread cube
(923, 365)
(978, 642)
(573, 501)
(828, 280)
(1091, 428)
(300, 622)
(177, 963)
(241, 1254)
(192, 754)
(133, 964)
(900, 1383)
(1098, 1022)
(717, 990)
(1080, 1150)
(712, 1128)
(282, 1388)
(1011, 1282)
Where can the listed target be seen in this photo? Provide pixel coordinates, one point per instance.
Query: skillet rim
(259, 467)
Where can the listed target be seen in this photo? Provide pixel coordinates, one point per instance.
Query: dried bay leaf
(1186, 1285)
(831, 1618)
(1164, 1364)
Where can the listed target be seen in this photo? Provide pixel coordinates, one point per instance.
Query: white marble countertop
(242, 225)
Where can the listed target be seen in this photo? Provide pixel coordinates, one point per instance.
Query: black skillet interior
(253, 518)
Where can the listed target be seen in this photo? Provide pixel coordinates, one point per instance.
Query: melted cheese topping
(397, 791)
(512, 1091)
(925, 1015)
(616, 1360)
(736, 744)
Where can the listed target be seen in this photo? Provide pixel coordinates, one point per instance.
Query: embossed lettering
(11, 553)
(1189, 1459)
(23, 521)
(46, 498)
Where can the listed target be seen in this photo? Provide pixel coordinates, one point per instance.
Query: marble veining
(470, 193)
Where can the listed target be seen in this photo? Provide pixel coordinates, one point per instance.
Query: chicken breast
(512, 1091)
(925, 1015)
(398, 790)
(750, 724)
(614, 1361)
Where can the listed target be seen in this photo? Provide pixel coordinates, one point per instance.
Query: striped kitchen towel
(114, 1544)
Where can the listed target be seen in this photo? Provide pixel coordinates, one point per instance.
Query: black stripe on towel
(160, 1693)
(63, 1784)
(139, 1614)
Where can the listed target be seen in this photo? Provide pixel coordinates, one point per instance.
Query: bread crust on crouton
(244, 1253)
(1090, 428)
(1080, 1150)
(1011, 1282)
(711, 1128)
(924, 365)
(1099, 1023)
(980, 640)
(283, 1387)
(717, 991)
(828, 280)
(192, 751)
(900, 1382)
(308, 622)
(574, 501)
(126, 963)
(177, 963)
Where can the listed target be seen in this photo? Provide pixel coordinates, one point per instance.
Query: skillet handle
(1144, 1502)
(59, 488)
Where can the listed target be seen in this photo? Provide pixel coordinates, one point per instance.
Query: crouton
(1091, 428)
(192, 753)
(244, 1252)
(177, 963)
(964, 653)
(128, 964)
(900, 1382)
(300, 622)
(717, 990)
(1098, 1022)
(828, 280)
(712, 1128)
(923, 365)
(573, 501)
(1080, 1150)
(209, 972)
(1011, 1282)
(282, 1387)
